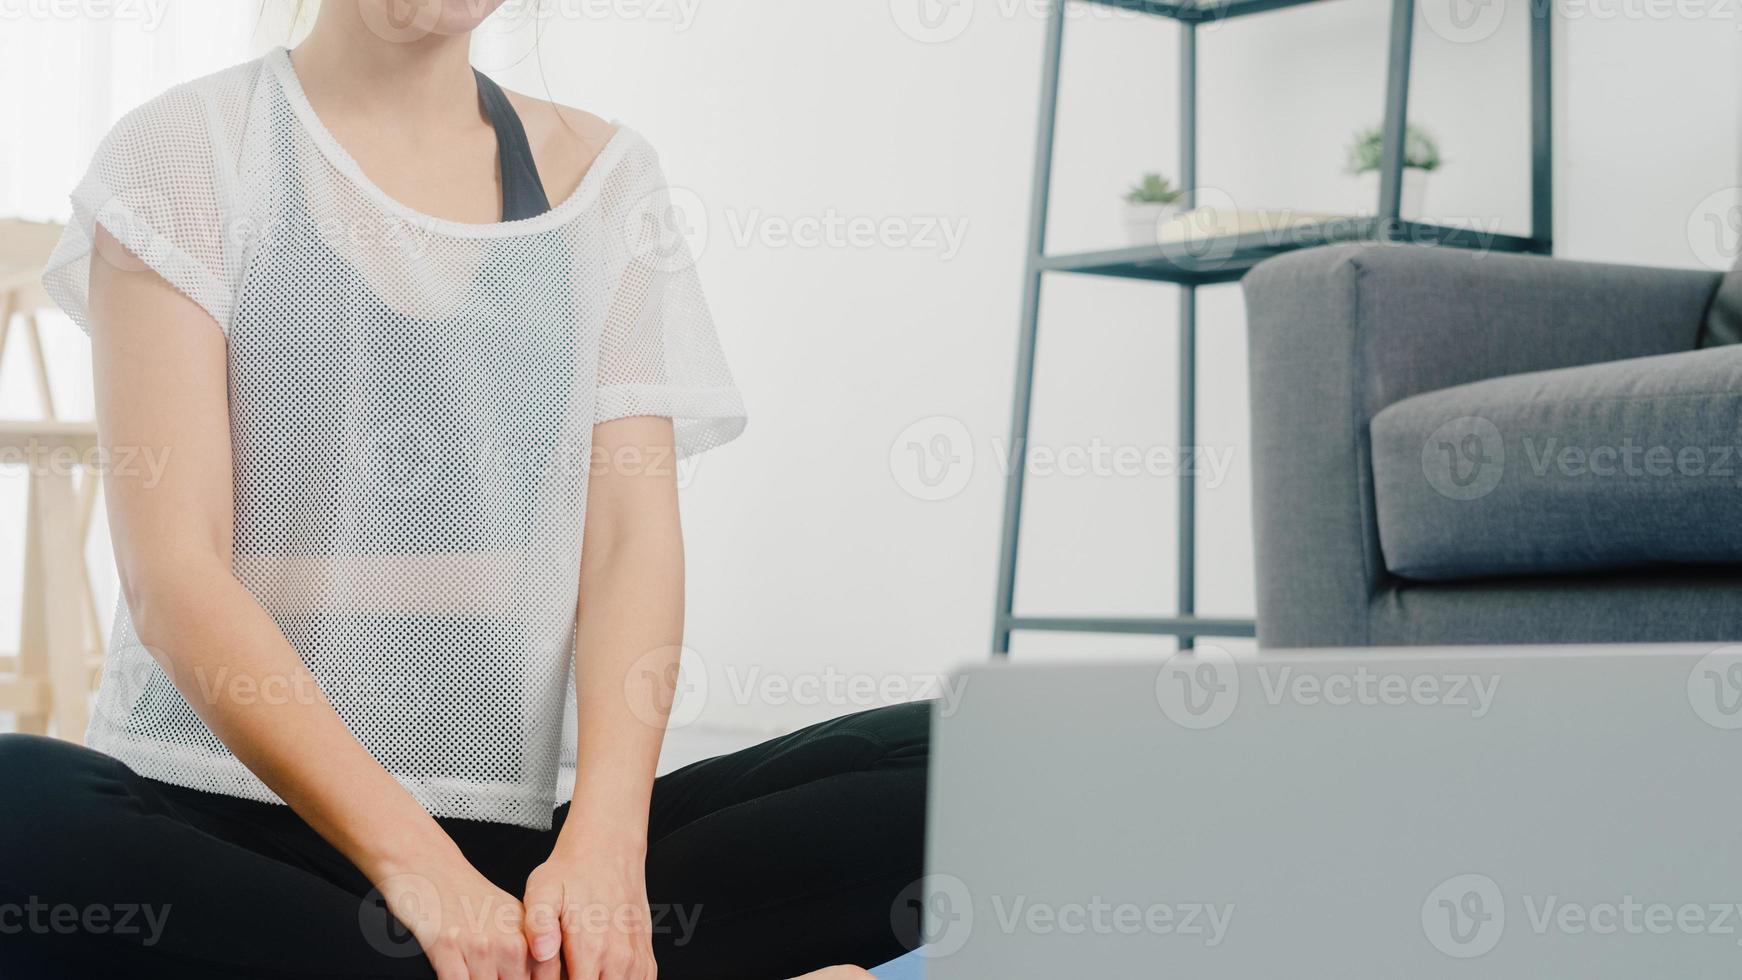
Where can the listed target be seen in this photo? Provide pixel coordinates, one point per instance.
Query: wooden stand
(48, 684)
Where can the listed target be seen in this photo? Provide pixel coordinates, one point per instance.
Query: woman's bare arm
(160, 374)
(590, 900)
(629, 626)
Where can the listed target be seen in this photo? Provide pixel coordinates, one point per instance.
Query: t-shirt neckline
(278, 59)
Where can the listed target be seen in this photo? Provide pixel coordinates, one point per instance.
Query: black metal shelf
(1143, 625)
(1226, 258)
(1199, 13)
(1210, 259)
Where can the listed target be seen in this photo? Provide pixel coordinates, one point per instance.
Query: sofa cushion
(1723, 323)
(1605, 466)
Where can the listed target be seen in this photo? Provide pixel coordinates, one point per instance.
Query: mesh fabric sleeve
(659, 354)
(159, 184)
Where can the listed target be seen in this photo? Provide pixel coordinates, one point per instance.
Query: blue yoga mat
(909, 967)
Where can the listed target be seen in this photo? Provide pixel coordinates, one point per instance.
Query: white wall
(808, 552)
(809, 556)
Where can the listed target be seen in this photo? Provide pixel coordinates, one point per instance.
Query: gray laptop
(1508, 814)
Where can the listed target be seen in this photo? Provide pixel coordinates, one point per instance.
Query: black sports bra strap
(522, 192)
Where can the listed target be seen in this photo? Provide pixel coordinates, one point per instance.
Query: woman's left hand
(587, 914)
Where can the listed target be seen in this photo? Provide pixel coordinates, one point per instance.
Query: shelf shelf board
(1202, 11)
(1225, 258)
(1153, 626)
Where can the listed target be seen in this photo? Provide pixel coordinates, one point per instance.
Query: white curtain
(70, 70)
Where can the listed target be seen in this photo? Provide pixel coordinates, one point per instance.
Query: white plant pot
(1143, 221)
(1414, 192)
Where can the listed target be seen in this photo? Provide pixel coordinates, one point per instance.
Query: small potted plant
(1148, 203)
(1421, 156)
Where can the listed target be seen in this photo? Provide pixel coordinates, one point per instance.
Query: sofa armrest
(1338, 333)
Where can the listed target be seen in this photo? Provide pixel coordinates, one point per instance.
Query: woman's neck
(350, 65)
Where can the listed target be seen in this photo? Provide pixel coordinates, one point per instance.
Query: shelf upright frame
(1033, 275)
(1186, 502)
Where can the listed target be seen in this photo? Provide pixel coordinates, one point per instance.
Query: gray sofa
(1453, 447)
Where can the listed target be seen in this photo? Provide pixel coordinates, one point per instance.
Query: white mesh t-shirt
(411, 406)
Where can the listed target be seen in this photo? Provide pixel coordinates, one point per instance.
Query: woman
(399, 394)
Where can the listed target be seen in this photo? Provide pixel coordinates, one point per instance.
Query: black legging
(765, 863)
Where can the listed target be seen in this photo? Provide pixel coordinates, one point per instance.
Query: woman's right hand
(469, 928)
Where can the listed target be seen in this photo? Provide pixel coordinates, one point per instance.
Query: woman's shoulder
(196, 124)
(566, 141)
(181, 145)
(197, 105)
